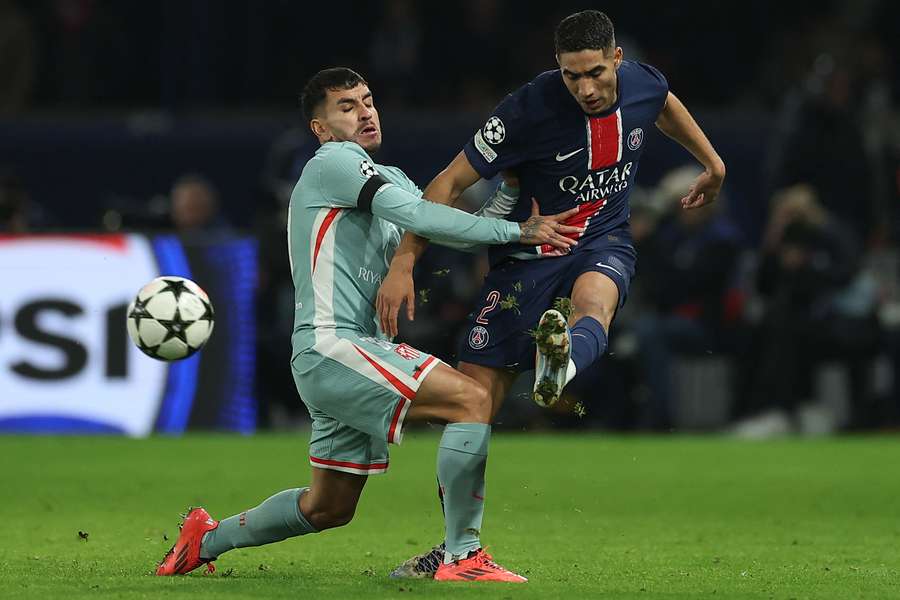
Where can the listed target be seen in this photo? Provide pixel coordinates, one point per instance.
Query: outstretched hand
(539, 230)
(704, 190)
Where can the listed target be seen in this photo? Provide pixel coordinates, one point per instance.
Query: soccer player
(573, 137)
(359, 387)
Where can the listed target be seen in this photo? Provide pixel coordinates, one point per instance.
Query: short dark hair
(315, 90)
(585, 30)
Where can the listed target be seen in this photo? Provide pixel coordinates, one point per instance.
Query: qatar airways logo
(597, 184)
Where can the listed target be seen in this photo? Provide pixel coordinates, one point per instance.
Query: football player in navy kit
(573, 137)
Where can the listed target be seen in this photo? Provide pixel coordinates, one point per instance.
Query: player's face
(349, 116)
(590, 76)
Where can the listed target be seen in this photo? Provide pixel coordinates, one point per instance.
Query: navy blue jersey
(565, 158)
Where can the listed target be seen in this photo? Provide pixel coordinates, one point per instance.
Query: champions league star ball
(494, 130)
(170, 319)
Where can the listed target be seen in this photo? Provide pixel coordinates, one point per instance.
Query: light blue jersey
(344, 223)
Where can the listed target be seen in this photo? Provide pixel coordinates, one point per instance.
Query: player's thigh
(602, 278)
(448, 395)
(496, 381)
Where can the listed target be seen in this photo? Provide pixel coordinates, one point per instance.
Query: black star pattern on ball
(175, 328)
(139, 312)
(176, 286)
(207, 312)
(150, 351)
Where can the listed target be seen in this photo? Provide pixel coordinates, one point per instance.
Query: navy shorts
(517, 292)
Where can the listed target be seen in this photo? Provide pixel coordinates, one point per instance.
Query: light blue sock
(276, 519)
(461, 461)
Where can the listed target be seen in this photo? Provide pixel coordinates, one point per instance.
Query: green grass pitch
(583, 516)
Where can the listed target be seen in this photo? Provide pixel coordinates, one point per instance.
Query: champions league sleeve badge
(494, 130)
(367, 170)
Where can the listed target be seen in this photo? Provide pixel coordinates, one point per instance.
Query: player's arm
(676, 122)
(432, 220)
(398, 286)
(445, 189)
(500, 204)
(482, 157)
(348, 180)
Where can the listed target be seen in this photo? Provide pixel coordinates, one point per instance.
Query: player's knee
(602, 311)
(477, 403)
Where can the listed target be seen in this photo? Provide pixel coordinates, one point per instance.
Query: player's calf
(462, 453)
(329, 517)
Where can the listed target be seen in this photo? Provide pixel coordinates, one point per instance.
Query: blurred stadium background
(139, 138)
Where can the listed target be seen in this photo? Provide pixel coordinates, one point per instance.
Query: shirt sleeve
(411, 187)
(431, 220)
(348, 179)
(658, 83)
(500, 204)
(502, 142)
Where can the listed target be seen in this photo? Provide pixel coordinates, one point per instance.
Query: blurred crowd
(791, 326)
(77, 55)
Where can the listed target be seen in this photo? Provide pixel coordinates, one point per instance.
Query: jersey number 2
(492, 299)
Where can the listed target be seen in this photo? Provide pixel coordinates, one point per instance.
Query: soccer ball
(170, 319)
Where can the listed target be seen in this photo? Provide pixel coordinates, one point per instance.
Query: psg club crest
(635, 138)
(367, 170)
(494, 130)
(478, 337)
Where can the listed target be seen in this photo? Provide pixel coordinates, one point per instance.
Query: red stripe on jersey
(395, 420)
(582, 218)
(401, 387)
(323, 229)
(606, 141)
(352, 465)
(422, 367)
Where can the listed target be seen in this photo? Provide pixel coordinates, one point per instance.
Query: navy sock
(588, 342)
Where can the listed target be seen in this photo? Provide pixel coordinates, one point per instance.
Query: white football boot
(553, 342)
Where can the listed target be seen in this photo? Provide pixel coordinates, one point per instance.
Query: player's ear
(620, 54)
(319, 130)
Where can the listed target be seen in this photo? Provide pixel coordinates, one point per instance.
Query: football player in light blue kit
(344, 223)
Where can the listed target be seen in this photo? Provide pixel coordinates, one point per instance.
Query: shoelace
(431, 561)
(488, 560)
